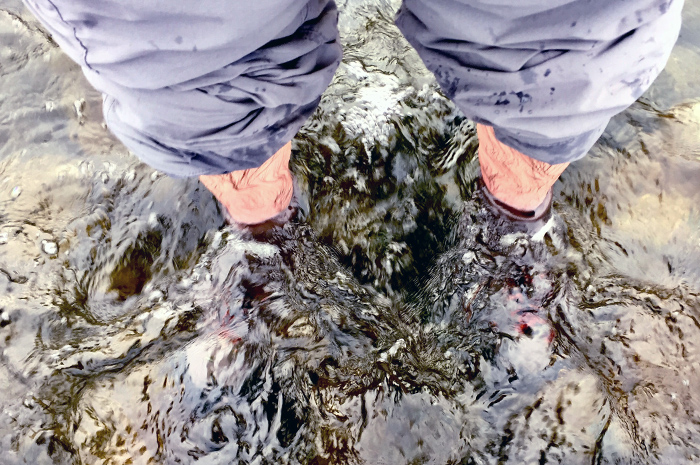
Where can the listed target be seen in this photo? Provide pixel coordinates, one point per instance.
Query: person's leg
(512, 177)
(255, 195)
(545, 75)
(205, 88)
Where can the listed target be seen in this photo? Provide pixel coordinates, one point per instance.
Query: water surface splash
(397, 322)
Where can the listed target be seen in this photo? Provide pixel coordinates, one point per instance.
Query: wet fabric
(205, 87)
(211, 87)
(546, 74)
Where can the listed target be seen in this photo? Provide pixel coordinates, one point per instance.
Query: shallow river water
(396, 322)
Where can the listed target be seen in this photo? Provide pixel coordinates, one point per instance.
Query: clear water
(397, 323)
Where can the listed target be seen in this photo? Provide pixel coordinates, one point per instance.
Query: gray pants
(213, 86)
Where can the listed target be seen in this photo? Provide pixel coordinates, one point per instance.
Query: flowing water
(397, 322)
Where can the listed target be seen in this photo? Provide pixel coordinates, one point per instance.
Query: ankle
(513, 178)
(255, 195)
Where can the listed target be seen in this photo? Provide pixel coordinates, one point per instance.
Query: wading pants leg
(200, 87)
(209, 88)
(541, 77)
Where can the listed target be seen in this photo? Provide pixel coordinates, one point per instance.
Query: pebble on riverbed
(4, 318)
(49, 247)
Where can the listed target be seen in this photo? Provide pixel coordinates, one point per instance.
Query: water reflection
(397, 322)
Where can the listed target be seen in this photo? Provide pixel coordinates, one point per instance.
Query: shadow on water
(398, 322)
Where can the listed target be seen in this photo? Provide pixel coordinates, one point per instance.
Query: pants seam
(75, 35)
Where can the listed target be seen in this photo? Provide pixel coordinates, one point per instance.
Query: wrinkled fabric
(513, 178)
(214, 86)
(205, 87)
(255, 195)
(547, 75)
